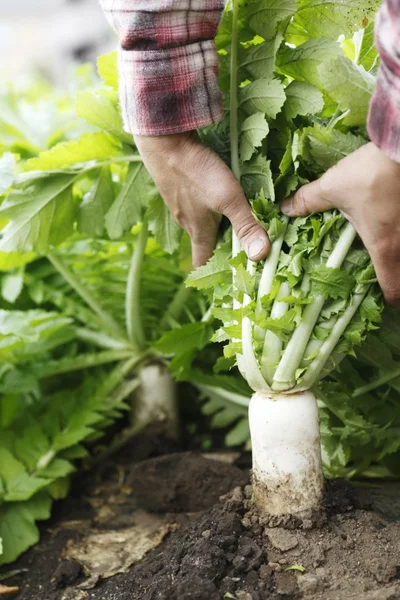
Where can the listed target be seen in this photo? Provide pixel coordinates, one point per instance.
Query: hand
(365, 187)
(198, 188)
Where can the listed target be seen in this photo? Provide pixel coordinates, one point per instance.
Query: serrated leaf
(253, 131)
(259, 60)
(129, 206)
(162, 225)
(17, 525)
(40, 217)
(90, 146)
(302, 63)
(263, 16)
(101, 109)
(302, 99)
(350, 85)
(323, 148)
(216, 271)
(95, 204)
(263, 96)
(332, 283)
(257, 176)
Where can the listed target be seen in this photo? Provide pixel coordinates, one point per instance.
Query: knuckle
(228, 204)
(246, 228)
(301, 202)
(392, 293)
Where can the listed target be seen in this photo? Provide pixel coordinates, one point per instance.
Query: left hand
(365, 187)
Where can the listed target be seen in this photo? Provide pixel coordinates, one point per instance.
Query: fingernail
(287, 206)
(255, 248)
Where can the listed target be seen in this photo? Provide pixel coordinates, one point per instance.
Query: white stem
(285, 376)
(287, 465)
(331, 342)
(269, 269)
(272, 343)
(249, 363)
(156, 398)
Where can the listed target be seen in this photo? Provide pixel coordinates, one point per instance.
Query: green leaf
(323, 148)
(370, 310)
(303, 63)
(90, 146)
(101, 109)
(253, 131)
(216, 271)
(40, 217)
(192, 336)
(17, 525)
(162, 225)
(302, 99)
(244, 282)
(11, 286)
(129, 207)
(263, 16)
(350, 85)
(239, 435)
(259, 60)
(330, 18)
(7, 170)
(263, 96)
(107, 67)
(95, 204)
(332, 283)
(257, 176)
(18, 484)
(368, 54)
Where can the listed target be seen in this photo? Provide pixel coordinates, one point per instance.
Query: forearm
(167, 63)
(384, 115)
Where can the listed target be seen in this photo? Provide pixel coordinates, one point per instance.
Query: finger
(308, 199)
(203, 244)
(387, 268)
(251, 235)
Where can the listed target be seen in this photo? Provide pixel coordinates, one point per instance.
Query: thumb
(308, 199)
(251, 235)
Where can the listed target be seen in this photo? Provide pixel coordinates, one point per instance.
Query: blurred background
(51, 37)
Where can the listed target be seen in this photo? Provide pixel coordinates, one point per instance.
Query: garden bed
(104, 545)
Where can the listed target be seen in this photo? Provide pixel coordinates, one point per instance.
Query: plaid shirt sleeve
(167, 63)
(384, 114)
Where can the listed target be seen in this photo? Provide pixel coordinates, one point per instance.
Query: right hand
(198, 189)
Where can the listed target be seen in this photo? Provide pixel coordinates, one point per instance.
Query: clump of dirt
(182, 482)
(224, 552)
(228, 552)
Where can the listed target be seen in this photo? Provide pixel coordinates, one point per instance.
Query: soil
(102, 545)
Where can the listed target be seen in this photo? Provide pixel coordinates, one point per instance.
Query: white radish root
(287, 466)
(156, 399)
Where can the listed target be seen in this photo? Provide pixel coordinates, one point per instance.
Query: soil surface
(102, 545)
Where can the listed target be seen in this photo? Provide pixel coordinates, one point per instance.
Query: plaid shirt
(384, 114)
(168, 67)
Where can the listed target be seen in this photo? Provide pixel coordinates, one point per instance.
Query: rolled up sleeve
(384, 113)
(168, 63)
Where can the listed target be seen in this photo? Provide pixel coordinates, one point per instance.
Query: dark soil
(225, 551)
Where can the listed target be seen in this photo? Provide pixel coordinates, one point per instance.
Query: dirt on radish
(208, 549)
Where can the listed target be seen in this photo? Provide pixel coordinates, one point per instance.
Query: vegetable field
(114, 352)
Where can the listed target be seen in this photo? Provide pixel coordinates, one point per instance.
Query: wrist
(166, 143)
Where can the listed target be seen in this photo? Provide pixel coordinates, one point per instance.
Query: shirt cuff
(170, 91)
(384, 114)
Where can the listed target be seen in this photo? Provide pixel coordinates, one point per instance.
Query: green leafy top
(313, 300)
